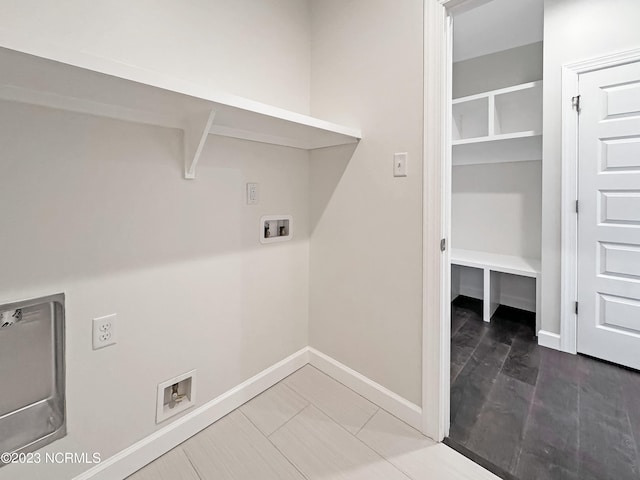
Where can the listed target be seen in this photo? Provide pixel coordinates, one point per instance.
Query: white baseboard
(149, 448)
(393, 403)
(522, 303)
(158, 443)
(471, 291)
(549, 340)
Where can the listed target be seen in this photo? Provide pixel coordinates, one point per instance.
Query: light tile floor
(311, 427)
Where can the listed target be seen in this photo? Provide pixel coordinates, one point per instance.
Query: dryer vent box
(32, 376)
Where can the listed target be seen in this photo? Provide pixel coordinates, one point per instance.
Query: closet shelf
(53, 77)
(512, 147)
(526, 267)
(493, 262)
(503, 125)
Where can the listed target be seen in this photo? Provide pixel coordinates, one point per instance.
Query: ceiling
(495, 26)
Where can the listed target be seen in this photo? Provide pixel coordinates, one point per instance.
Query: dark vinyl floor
(537, 413)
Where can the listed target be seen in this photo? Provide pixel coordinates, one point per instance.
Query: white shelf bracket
(195, 135)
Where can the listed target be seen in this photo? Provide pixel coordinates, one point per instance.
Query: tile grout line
(526, 422)
(518, 452)
(482, 337)
(384, 459)
(379, 453)
(484, 333)
(363, 443)
(388, 461)
(191, 462)
(311, 402)
(453, 334)
(304, 399)
(325, 413)
(493, 384)
(288, 459)
(283, 384)
(378, 408)
(294, 416)
(365, 423)
(337, 381)
(274, 445)
(634, 435)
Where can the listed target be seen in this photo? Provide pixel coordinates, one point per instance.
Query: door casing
(436, 285)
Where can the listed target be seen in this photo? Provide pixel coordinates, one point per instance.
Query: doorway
(518, 408)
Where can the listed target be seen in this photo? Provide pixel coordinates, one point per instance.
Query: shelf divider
(492, 116)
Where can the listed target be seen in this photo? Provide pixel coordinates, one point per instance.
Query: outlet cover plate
(252, 193)
(104, 331)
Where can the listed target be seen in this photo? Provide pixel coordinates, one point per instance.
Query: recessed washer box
(32, 374)
(176, 395)
(276, 228)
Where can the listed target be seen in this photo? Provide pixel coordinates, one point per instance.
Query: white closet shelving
(491, 264)
(526, 267)
(499, 126)
(50, 76)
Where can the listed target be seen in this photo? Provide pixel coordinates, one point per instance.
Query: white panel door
(609, 218)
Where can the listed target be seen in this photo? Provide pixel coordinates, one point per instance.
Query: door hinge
(443, 244)
(576, 103)
(577, 207)
(576, 308)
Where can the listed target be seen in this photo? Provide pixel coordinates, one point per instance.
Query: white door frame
(570, 123)
(436, 325)
(436, 322)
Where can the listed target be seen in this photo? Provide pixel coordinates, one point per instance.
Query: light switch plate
(400, 164)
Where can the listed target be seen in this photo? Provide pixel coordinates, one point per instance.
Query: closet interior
(496, 194)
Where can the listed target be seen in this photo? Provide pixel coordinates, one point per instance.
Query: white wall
(497, 70)
(255, 49)
(494, 25)
(497, 208)
(574, 30)
(98, 209)
(366, 270)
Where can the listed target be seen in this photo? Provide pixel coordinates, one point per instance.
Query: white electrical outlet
(104, 331)
(252, 193)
